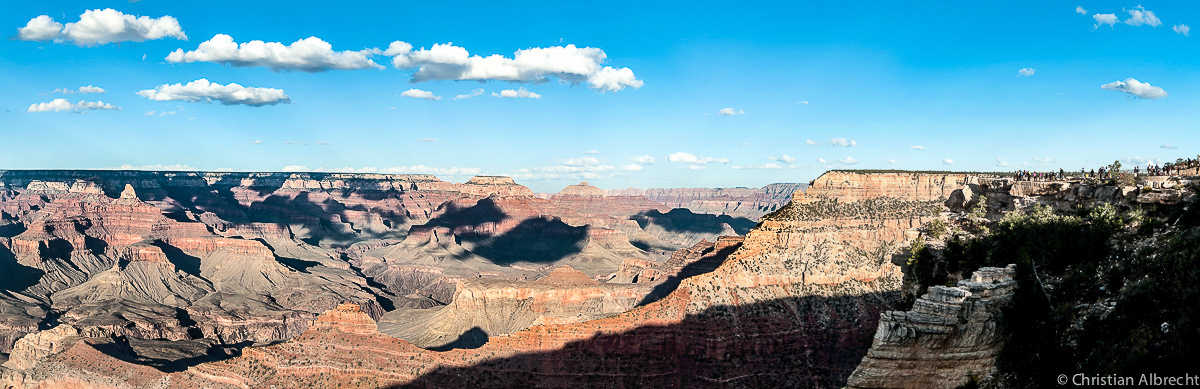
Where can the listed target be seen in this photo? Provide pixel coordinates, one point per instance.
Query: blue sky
(882, 77)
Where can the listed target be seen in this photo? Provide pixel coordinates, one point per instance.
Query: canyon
(234, 280)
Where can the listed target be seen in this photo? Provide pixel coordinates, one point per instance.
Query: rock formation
(950, 337)
(737, 202)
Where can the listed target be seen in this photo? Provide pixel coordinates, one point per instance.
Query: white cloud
(1042, 161)
(785, 158)
(294, 168)
(575, 168)
(581, 161)
(731, 112)
(322, 143)
(422, 169)
(155, 167)
(223, 170)
(592, 152)
(309, 55)
(696, 167)
(519, 93)
(1101, 19)
(1182, 29)
(891, 161)
(82, 89)
(694, 159)
(804, 102)
(427, 140)
(1139, 161)
(947, 161)
(419, 94)
(766, 166)
(643, 159)
(149, 113)
(257, 142)
(1080, 10)
(1000, 162)
(847, 161)
(1136, 88)
(822, 160)
(203, 90)
(842, 142)
(917, 147)
(567, 63)
(811, 142)
(1169, 146)
(474, 93)
(1139, 16)
(60, 105)
(1025, 72)
(97, 27)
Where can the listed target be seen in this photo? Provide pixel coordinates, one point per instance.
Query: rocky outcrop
(950, 336)
(493, 185)
(737, 202)
(491, 307)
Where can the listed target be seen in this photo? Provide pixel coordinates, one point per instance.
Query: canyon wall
(750, 203)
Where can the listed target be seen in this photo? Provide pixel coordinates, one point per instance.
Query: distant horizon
(713, 95)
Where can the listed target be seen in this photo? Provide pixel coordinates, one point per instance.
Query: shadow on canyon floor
(811, 341)
(684, 220)
(471, 339)
(13, 275)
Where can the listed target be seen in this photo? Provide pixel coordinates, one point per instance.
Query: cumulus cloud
(82, 89)
(1182, 29)
(847, 161)
(696, 167)
(822, 160)
(97, 27)
(62, 105)
(474, 93)
(1025, 72)
(308, 55)
(917, 147)
(445, 61)
(257, 142)
(842, 142)
(1102, 19)
(155, 167)
(1139, 16)
(1000, 162)
(766, 166)
(731, 112)
(803, 102)
(682, 157)
(1136, 88)
(947, 161)
(419, 94)
(1138, 161)
(294, 168)
(519, 93)
(203, 90)
(646, 159)
(891, 161)
(1080, 10)
(811, 142)
(575, 168)
(785, 159)
(1169, 146)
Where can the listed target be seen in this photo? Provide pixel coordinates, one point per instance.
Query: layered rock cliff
(951, 336)
(793, 306)
(749, 203)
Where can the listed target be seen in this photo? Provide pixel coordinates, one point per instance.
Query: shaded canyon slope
(795, 304)
(170, 269)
